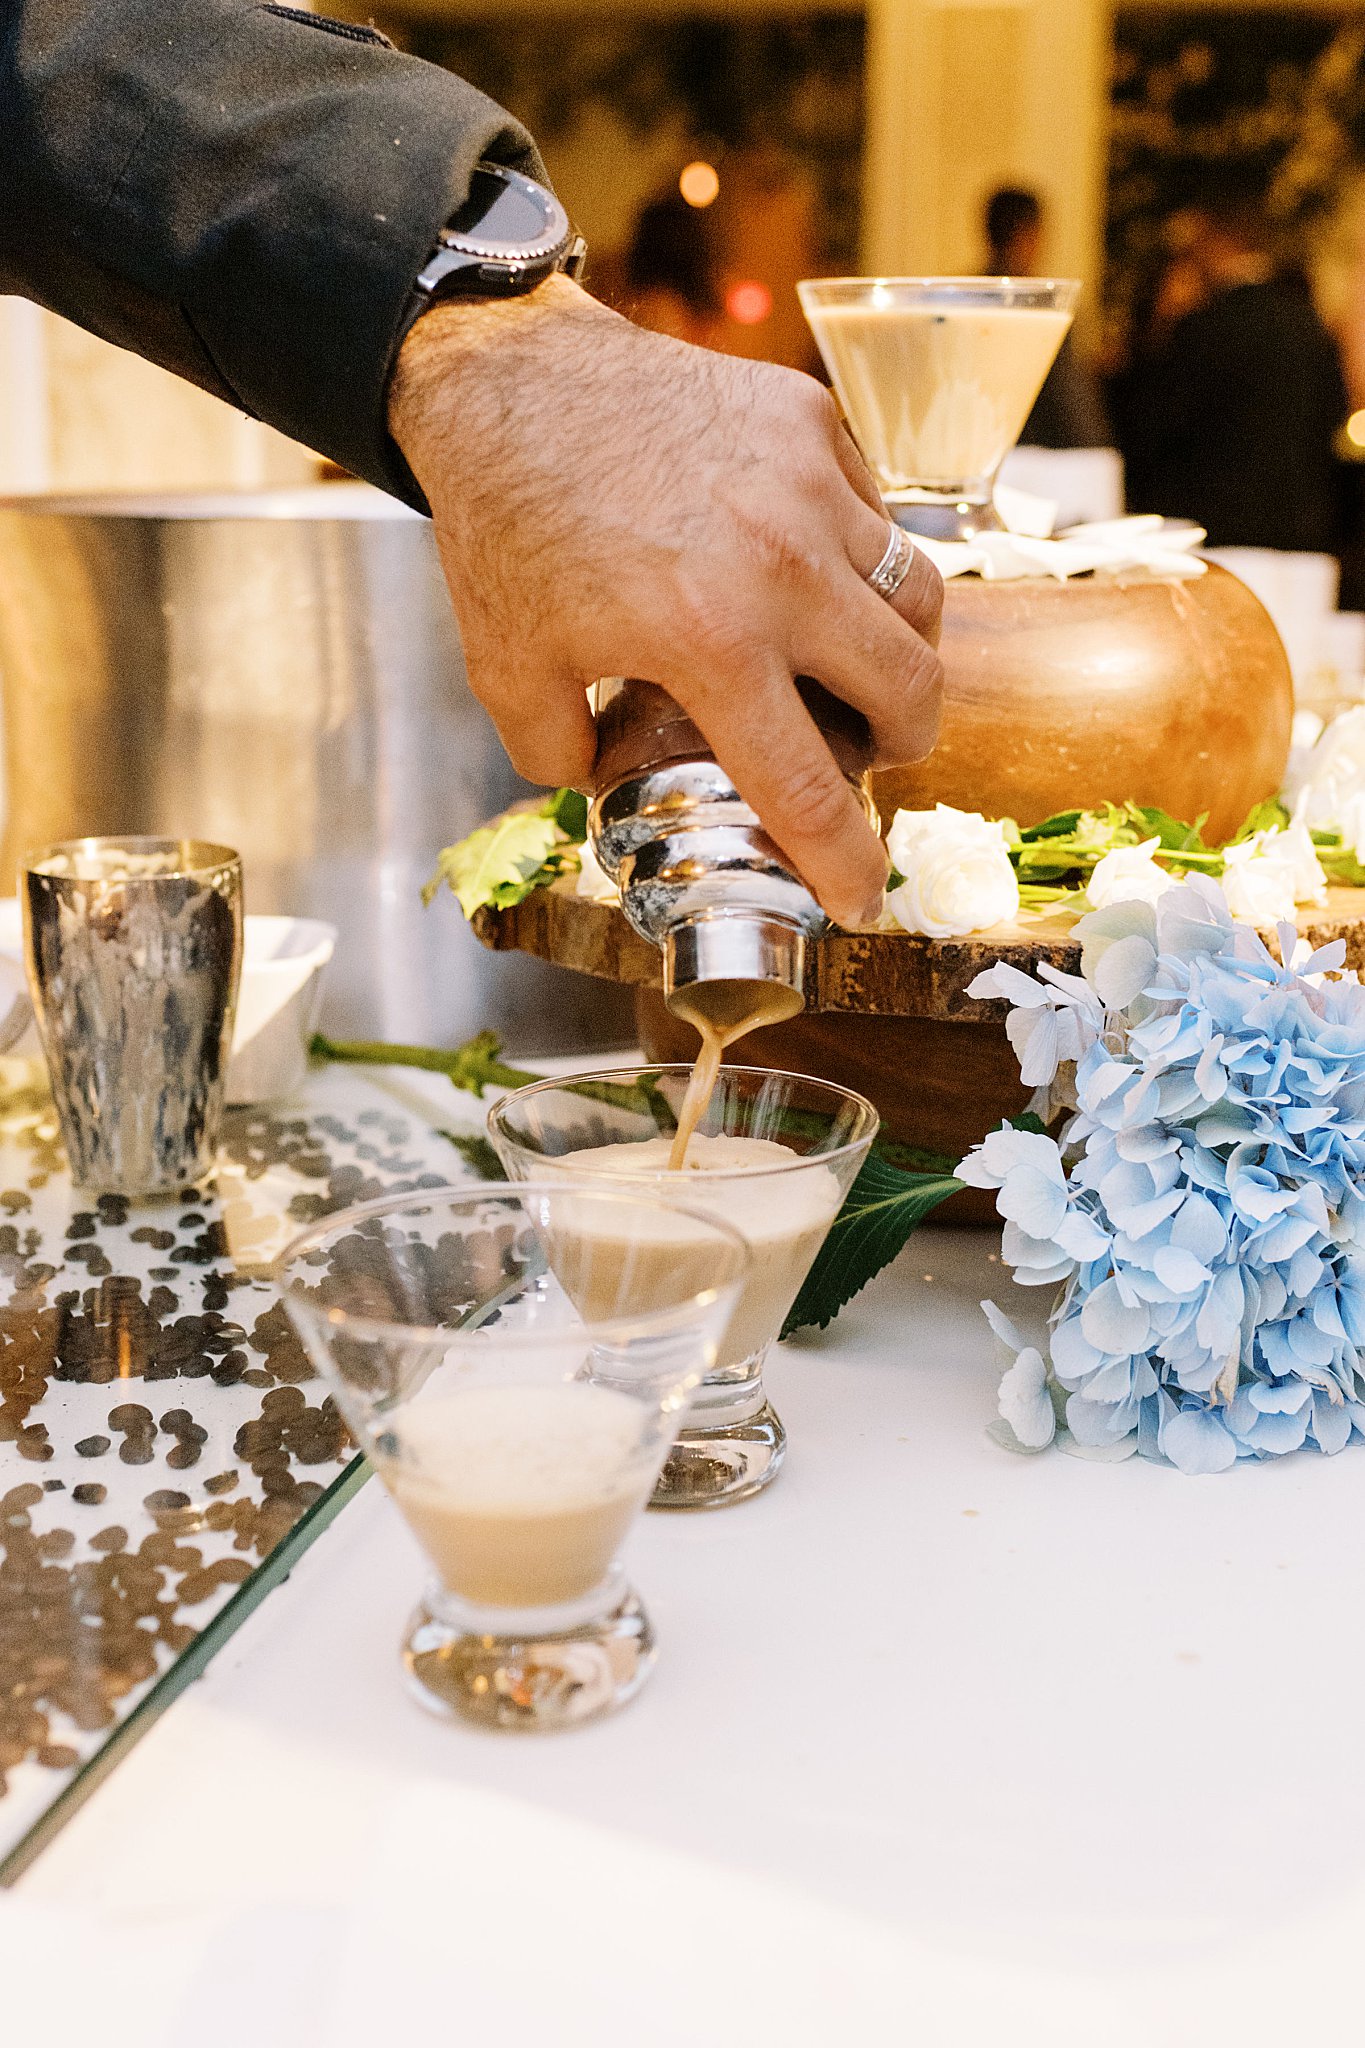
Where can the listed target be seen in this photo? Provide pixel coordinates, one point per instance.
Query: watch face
(507, 214)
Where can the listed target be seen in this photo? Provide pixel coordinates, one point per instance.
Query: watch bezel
(542, 247)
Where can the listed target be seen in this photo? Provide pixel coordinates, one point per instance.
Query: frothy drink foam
(520, 1495)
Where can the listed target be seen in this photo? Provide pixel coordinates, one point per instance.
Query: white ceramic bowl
(283, 960)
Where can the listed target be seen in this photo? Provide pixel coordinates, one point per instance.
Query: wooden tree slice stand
(886, 1012)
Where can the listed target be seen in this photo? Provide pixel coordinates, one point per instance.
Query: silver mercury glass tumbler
(133, 949)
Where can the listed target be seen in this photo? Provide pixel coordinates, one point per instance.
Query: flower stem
(474, 1066)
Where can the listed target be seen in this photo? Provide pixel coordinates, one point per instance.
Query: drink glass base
(946, 517)
(523, 1678)
(714, 1468)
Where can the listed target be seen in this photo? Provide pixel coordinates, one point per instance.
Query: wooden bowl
(1058, 695)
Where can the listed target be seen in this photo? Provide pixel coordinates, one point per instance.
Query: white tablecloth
(944, 1746)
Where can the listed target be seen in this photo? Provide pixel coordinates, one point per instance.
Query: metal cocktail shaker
(133, 949)
(698, 874)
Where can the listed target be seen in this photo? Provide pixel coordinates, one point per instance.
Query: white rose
(1321, 780)
(1295, 844)
(1128, 875)
(1350, 822)
(957, 869)
(1305, 730)
(593, 879)
(1259, 883)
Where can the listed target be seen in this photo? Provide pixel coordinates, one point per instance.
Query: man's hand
(611, 502)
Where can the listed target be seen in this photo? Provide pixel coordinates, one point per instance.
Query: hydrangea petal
(1007, 1331)
(1331, 1425)
(1123, 971)
(1112, 1325)
(1081, 1237)
(1024, 1401)
(1180, 1271)
(1035, 1260)
(1033, 1200)
(1100, 1422)
(1198, 1227)
(1196, 1441)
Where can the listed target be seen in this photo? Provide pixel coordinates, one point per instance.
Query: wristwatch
(509, 236)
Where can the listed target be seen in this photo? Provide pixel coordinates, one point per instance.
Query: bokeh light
(1355, 429)
(749, 303)
(699, 184)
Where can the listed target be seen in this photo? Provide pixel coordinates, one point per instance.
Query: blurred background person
(1234, 397)
(672, 281)
(716, 260)
(1068, 412)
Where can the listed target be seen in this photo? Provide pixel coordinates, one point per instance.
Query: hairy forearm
(548, 373)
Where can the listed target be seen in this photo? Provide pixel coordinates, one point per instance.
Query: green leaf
(569, 809)
(880, 1213)
(1340, 863)
(478, 1155)
(1062, 826)
(912, 1159)
(497, 865)
(1174, 835)
(1263, 817)
(474, 1066)
(1064, 849)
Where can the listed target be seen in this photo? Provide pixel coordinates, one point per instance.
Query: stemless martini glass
(515, 1362)
(936, 376)
(774, 1156)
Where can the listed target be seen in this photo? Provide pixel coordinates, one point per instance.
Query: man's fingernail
(873, 912)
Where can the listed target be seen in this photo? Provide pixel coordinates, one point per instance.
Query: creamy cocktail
(784, 1219)
(518, 1431)
(520, 1495)
(937, 375)
(774, 1156)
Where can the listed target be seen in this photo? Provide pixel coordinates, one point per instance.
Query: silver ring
(894, 566)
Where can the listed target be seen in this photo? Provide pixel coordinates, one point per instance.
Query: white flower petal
(1128, 875)
(957, 870)
(1024, 1401)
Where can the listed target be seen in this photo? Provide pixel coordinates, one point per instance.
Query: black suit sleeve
(242, 193)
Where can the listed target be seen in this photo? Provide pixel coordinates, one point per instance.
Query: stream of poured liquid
(721, 1012)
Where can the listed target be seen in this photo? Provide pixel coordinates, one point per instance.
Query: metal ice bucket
(280, 672)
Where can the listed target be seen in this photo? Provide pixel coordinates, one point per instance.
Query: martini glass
(515, 1363)
(774, 1156)
(936, 376)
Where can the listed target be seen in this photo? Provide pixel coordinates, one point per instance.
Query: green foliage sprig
(1339, 862)
(473, 1066)
(1069, 845)
(502, 862)
(1055, 859)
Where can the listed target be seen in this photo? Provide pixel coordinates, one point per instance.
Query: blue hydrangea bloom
(1200, 1211)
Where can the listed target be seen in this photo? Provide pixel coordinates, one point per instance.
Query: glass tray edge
(189, 1665)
